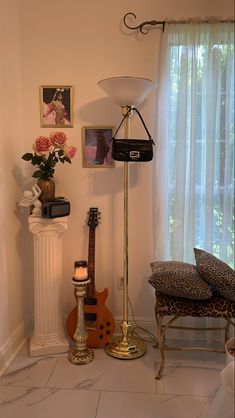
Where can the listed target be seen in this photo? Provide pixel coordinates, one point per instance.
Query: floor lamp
(126, 92)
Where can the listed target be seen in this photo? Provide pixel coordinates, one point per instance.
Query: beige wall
(78, 43)
(12, 277)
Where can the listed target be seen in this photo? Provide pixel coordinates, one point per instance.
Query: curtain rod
(144, 27)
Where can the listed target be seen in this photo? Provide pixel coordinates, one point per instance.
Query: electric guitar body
(99, 321)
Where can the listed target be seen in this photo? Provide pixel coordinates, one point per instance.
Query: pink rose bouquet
(48, 151)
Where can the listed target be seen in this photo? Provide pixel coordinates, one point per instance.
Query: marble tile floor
(45, 387)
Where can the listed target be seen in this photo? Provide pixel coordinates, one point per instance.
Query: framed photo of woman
(56, 106)
(97, 146)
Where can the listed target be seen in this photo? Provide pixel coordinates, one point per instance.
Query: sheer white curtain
(194, 165)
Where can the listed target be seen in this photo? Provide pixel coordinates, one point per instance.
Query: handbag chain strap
(141, 118)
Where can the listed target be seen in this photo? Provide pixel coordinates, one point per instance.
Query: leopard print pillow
(216, 273)
(177, 278)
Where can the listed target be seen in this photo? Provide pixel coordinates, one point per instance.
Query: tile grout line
(97, 407)
(51, 373)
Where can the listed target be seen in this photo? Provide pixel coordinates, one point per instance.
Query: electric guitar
(99, 321)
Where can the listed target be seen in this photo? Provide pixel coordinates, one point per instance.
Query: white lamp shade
(127, 91)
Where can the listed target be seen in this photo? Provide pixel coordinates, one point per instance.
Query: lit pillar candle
(80, 270)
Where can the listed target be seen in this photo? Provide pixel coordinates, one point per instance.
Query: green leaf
(37, 174)
(36, 159)
(27, 157)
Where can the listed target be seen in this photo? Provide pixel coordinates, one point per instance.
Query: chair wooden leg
(161, 342)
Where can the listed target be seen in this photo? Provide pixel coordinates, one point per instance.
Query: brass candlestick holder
(80, 354)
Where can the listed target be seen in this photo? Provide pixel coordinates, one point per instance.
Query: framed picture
(97, 146)
(56, 106)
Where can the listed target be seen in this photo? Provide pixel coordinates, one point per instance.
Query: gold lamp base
(126, 346)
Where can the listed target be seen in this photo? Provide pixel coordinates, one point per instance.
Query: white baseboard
(147, 329)
(12, 346)
(149, 324)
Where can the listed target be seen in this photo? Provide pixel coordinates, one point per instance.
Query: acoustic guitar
(99, 321)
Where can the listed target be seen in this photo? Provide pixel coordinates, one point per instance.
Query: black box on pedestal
(56, 209)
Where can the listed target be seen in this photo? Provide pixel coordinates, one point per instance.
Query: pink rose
(58, 139)
(70, 152)
(42, 145)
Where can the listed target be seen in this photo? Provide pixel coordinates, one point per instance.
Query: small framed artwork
(56, 106)
(97, 146)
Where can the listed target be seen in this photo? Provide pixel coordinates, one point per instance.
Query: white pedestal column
(48, 335)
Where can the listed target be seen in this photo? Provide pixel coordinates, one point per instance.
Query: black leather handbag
(132, 149)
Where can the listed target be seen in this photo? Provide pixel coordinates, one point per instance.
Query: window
(196, 136)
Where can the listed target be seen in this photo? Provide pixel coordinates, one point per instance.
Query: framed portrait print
(56, 106)
(97, 146)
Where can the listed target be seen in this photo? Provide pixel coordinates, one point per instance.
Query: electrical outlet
(120, 283)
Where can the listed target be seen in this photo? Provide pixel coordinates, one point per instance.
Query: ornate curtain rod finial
(142, 25)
